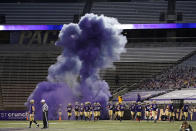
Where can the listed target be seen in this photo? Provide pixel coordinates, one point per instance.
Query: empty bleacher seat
(40, 13)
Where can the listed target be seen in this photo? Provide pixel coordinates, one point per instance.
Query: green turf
(95, 126)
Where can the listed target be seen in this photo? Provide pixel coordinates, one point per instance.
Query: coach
(45, 113)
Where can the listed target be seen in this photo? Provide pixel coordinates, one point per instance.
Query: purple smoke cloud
(88, 47)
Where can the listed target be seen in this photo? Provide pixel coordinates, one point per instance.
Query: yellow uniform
(31, 117)
(110, 112)
(154, 111)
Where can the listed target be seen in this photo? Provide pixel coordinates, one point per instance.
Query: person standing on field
(45, 113)
(32, 114)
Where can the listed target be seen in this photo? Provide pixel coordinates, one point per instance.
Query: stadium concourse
(158, 65)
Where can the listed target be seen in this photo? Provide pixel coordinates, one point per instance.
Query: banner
(33, 37)
(13, 115)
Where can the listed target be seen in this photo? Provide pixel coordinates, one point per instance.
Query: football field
(103, 125)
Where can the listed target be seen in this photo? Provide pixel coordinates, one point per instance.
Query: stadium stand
(40, 13)
(175, 79)
(132, 12)
(191, 62)
(164, 54)
(20, 73)
(139, 64)
(21, 70)
(144, 11)
(160, 44)
(63, 13)
(188, 10)
(1, 99)
(181, 76)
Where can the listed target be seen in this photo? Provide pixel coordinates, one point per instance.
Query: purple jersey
(87, 108)
(147, 107)
(139, 108)
(97, 108)
(132, 108)
(91, 107)
(31, 109)
(77, 108)
(81, 108)
(185, 108)
(121, 107)
(171, 108)
(115, 108)
(110, 106)
(154, 107)
(69, 108)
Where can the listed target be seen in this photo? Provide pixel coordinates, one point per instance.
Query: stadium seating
(20, 72)
(63, 13)
(132, 12)
(160, 44)
(40, 13)
(178, 77)
(144, 11)
(1, 99)
(21, 69)
(187, 8)
(191, 62)
(138, 64)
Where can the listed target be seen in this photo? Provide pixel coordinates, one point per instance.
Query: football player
(154, 109)
(99, 110)
(115, 110)
(81, 111)
(185, 110)
(171, 112)
(121, 109)
(191, 111)
(87, 111)
(132, 110)
(91, 110)
(167, 111)
(147, 111)
(76, 110)
(139, 111)
(69, 111)
(95, 109)
(32, 114)
(110, 107)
